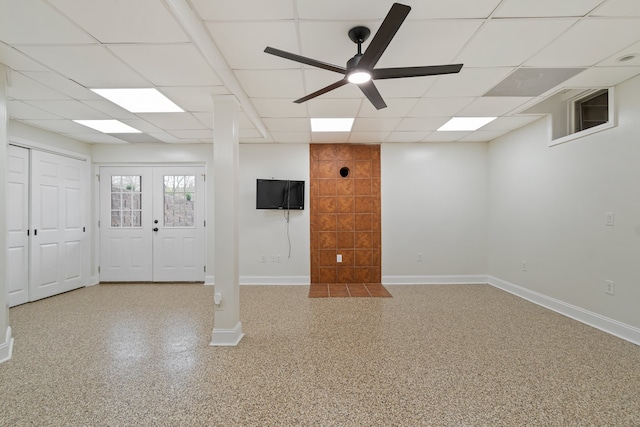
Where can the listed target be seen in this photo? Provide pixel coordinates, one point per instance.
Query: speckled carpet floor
(469, 355)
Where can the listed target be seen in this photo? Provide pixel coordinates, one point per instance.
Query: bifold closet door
(58, 224)
(18, 225)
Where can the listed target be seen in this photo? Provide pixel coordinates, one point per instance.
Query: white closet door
(178, 217)
(18, 225)
(125, 224)
(58, 200)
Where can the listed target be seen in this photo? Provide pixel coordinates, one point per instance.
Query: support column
(227, 329)
(6, 341)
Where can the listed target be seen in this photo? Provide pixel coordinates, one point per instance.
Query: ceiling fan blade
(385, 33)
(371, 92)
(323, 90)
(431, 70)
(305, 60)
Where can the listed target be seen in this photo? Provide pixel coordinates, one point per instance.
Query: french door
(152, 224)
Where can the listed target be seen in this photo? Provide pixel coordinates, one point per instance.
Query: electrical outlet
(263, 258)
(608, 218)
(609, 287)
(339, 258)
(278, 258)
(274, 258)
(419, 257)
(524, 265)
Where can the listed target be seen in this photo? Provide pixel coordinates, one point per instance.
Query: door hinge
(205, 268)
(205, 222)
(98, 223)
(98, 269)
(84, 230)
(27, 231)
(98, 175)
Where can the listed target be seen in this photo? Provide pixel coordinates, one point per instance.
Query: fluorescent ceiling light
(359, 77)
(331, 125)
(143, 100)
(108, 126)
(465, 123)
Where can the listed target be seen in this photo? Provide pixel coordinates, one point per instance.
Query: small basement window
(591, 110)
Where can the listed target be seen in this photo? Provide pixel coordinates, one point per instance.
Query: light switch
(608, 218)
(339, 258)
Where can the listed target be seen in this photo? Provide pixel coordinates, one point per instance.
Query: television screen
(279, 194)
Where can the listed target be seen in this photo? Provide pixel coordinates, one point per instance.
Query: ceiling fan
(360, 69)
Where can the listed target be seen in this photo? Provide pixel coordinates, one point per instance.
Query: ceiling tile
(493, 106)
(35, 22)
(368, 137)
(111, 109)
(461, 9)
(69, 109)
(353, 10)
(17, 60)
(544, 8)
(330, 137)
(90, 66)
(439, 107)
(288, 125)
(20, 111)
(381, 124)
(63, 85)
(406, 136)
(509, 123)
(243, 43)
(613, 60)
(194, 98)
(602, 76)
(601, 37)
(171, 121)
(421, 124)
(445, 136)
(139, 21)
(58, 126)
(25, 88)
(468, 82)
(271, 83)
(494, 45)
(292, 137)
(334, 107)
(274, 107)
(428, 43)
(411, 87)
(96, 138)
(396, 107)
(192, 133)
(222, 10)
(168, 65)
(621, 8)
(482, 136)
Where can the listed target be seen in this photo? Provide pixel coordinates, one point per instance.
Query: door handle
(155, 229)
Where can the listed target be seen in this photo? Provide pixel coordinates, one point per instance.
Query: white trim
(6, 348)
(275, 280)
(227, 337)
(33, 145)
(209, 280)
(94, 280)
(605, 324)
(435, 280)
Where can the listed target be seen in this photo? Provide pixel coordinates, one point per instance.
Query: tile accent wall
(345, 213)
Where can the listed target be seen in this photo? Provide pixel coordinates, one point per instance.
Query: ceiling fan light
(359, 77)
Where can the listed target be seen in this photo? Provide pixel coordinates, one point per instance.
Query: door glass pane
(179, 200)
(126, 201)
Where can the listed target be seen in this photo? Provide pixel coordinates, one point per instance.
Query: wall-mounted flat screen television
(279, 194)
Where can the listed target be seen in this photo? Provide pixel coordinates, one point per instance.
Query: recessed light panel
(108, 126)
(331, 125)
(142, 100)
(465, 123)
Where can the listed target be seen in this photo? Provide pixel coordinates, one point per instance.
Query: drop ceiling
(194, 50)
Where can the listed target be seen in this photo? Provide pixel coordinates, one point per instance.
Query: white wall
(264, 232)
(434, 201)
(547, 207)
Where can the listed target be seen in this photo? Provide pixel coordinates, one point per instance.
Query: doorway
(152, 221)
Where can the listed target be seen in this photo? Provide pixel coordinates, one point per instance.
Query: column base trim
(6, 348)
(227, 337)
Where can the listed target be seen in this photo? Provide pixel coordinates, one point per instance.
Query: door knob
(155, 229)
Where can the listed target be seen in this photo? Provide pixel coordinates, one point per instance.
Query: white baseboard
(227, 337)
(209, 280)
(275, 280)
(435, 280)
(613, 327)
(6, 348)
(93, 280)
